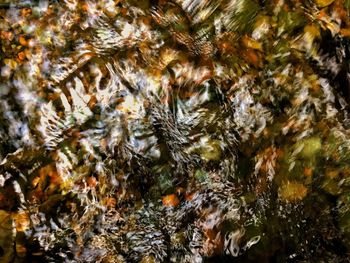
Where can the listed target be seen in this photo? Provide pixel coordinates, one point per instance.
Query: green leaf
(290, 21)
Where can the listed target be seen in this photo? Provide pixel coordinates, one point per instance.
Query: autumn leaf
(292, 191)
(22, 221)
(170, 200)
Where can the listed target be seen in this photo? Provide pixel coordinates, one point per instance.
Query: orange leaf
(171, 200)
(91, 181)
(22, 41)
(308, 171)
(110, 202)
(345, 32)
(21, 55)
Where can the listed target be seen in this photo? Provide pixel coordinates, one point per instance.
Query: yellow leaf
(312, 30)
(332, 173)
(251, 43)
(22, 221)
(292, 191)
(210, 149)
(309, 147)
(11, 63)
(331, 186)
(323, 3)
(148, 259)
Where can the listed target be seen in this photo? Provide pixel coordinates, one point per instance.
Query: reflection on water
(174, 131)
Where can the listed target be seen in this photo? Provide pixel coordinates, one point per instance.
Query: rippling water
(174, 131)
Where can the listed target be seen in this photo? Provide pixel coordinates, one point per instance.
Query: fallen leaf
(323, 3)
(251, 43)
(292, 191)
(308, 171)
(22, 221)
(171, 200)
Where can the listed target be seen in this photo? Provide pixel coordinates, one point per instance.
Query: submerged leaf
(292, 191)
(323, 3)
